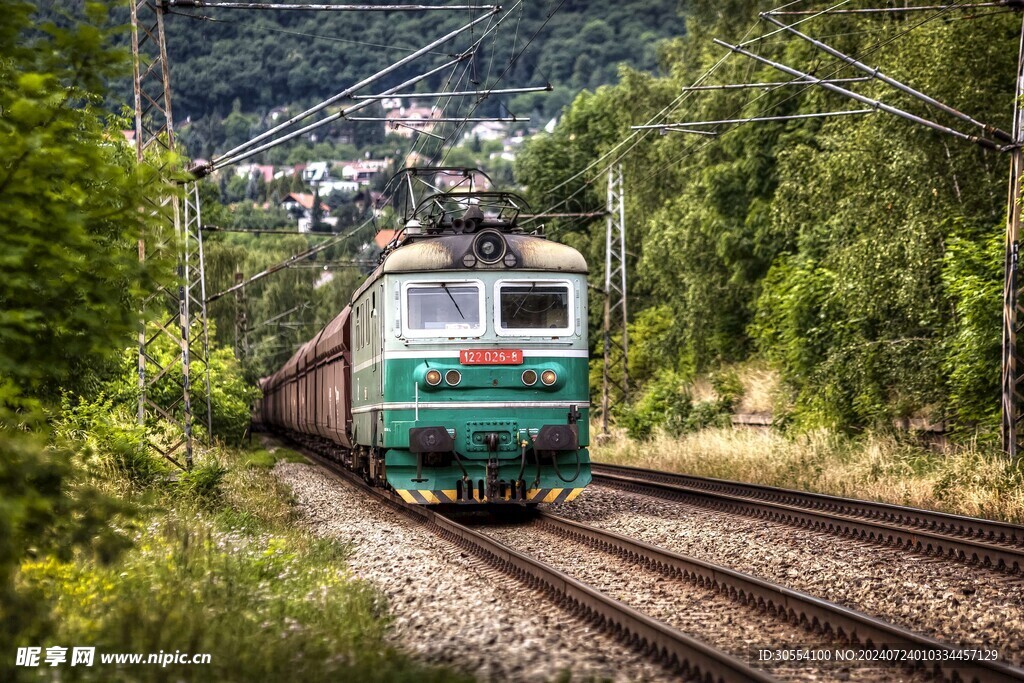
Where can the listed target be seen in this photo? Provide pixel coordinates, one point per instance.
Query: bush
(231, 395)
(728, 388)
(705, 414)
(107, 439)
(203, 484)
(666, 402)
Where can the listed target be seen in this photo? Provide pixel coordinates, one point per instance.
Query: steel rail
(792, 605)
(996, 544)
(674, 649)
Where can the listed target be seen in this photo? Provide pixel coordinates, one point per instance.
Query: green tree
(858, 255)
(73, 212)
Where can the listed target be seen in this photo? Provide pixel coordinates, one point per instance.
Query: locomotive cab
(483, 372)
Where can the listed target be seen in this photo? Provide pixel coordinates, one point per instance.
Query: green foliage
(71, 196)
(972, 273)
(728, 388)
(860, 256)
(651, 346)
(666, 402)
(72, 202)
(306, 296)
(107, 439)
(231, 396)
(203, 484)
(231, 393)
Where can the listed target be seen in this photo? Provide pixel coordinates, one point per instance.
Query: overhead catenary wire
(418, 143)
(814, 15)
(304, 305)
(338, 239)
(774, 84)
(252, 147)
(347, 92)
(324, 121)
(637, 135)
(259, 231)
(676, 128)
(807, 85)
(440, 119)
(460, 93)
(512, 61)
(863, 99)
(224, 161)
(634, 134)
(877, 74)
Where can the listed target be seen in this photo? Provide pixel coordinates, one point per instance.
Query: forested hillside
(268, 59)
(860, 256)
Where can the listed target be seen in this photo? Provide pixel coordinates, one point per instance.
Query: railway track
(820, 616)
(989, 543)
(673, 649)
(669, 646)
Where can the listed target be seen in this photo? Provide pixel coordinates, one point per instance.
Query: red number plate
(491, 357)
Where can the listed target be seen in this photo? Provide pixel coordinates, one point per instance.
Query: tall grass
(965, 480)
(216, 565)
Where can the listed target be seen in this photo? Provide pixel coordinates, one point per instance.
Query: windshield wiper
(445, 288)
(523, 302)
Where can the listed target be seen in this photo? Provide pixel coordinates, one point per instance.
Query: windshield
(536, 306)
(444, 308)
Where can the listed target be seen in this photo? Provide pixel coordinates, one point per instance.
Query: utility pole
(241, 320)
(162, 390)
(1011, 390)
(616, 307)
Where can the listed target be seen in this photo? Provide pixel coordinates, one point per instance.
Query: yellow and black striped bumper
(428, 497)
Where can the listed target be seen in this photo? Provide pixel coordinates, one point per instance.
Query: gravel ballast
(706, 614)
(945, 599)
(447, 606)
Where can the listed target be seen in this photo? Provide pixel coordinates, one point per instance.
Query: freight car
(459, 372)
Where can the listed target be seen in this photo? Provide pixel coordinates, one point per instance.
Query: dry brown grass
(760, 389)
(759, 382)
(701, 390)
(966, 480)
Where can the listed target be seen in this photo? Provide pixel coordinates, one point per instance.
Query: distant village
(356, 179)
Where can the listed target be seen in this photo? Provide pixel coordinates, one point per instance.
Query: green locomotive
(459, 372)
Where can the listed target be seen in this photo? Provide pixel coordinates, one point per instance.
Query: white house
(300, 205)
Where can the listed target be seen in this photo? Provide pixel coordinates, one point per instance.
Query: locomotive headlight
(489, 247)
(453, 377)
(433, 377)
(529, 377)
(548, 377)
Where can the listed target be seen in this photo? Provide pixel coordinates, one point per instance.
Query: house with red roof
(300, 206)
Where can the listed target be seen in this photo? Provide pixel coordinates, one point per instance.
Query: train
(459, 371)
